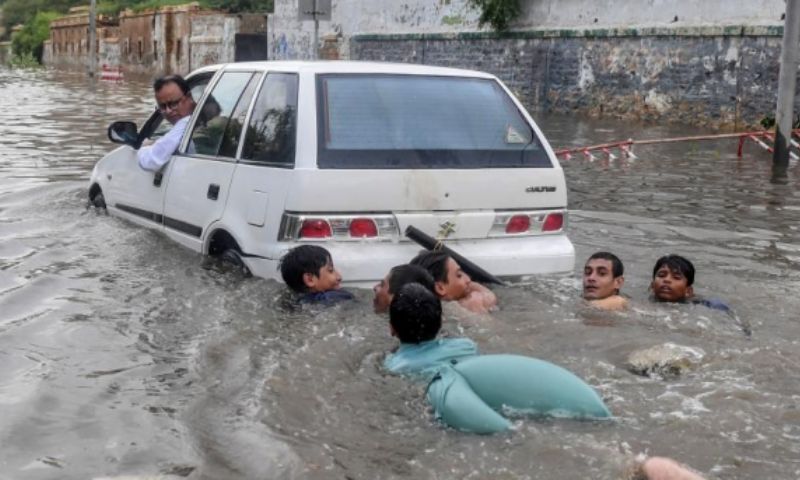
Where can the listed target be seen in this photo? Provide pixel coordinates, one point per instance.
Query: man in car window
(175, 102)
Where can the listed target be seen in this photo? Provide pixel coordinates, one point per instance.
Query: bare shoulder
(614, 302)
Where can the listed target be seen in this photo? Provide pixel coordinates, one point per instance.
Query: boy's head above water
(602, 276)
(309, 269)
(673, 277)
(450, 282)
(415, 314)
(394, 281)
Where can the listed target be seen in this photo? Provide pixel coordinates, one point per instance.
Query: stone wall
(712, 62)
(704, 76)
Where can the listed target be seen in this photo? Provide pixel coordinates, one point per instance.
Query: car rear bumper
(364, 263)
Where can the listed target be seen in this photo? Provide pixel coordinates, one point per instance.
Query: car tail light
(315, 229)
(553, 222)
(363, 227)
(521, 223)
(518, 224)
(338, 227)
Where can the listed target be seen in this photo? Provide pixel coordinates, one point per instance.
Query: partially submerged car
(347, 155)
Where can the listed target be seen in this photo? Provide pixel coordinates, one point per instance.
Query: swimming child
(309, 271)
(673, 276)
(602, 281)
(451, 283)
(397, 277)
(415, 318)
(472, 392)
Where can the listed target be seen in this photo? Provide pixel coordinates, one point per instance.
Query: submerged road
(120, 354)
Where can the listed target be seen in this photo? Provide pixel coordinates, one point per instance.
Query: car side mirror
(125, 133)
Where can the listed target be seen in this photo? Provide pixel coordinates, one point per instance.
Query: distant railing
(761, 138)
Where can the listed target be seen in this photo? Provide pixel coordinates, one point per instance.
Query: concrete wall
(291, 38)
(712, 63)
(5, 52)
(212, 39)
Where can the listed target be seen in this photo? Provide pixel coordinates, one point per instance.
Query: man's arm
(155, 156)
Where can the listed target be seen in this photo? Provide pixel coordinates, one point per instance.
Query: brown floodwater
(122, 354)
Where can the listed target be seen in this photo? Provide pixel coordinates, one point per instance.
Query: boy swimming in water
(673, 276)
(415, 317)
(397, 277)
(453, 284)
(309, 271)
(602, 281)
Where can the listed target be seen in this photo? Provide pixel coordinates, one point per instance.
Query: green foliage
(29, 40)
(153, 4)
(242, 5)
(25, 60)
(22, 11)
(497, 13)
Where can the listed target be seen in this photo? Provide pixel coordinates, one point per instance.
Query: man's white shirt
(155, 156)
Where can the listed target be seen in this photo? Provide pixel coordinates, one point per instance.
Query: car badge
(541, 189)
(446, 229)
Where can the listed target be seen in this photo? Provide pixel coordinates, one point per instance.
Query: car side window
(270, 137)
(216, 112)
(233, 133)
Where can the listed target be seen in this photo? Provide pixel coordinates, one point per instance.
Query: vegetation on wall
(23, 11)
(28, 42)
(497, 13)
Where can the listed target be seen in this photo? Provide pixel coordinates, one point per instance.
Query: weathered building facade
(69, 38)
(173, 39)
(713, 62)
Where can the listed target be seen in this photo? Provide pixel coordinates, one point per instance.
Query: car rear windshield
(413, 121)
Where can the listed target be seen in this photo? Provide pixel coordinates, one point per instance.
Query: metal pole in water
(92, 38)
(315, 47)
(786, 91)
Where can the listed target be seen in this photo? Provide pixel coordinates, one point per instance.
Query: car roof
(347, 66)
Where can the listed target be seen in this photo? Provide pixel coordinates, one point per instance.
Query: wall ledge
(694, 31)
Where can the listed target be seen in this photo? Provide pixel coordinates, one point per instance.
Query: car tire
(98, 201)
(232, 258)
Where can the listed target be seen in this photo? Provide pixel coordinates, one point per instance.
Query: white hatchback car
(347, 155)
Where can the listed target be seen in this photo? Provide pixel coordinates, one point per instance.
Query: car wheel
(98, 201)
(232, 258)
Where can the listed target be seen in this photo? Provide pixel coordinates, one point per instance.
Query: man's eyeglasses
(172, 105)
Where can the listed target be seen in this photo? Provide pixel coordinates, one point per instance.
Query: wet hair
(404, 274)
(176, 79)
(434, 262)
(676, 263)
(415, 314)
(616, 264)
(301, 260)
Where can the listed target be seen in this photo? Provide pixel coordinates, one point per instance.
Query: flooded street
(120, 354)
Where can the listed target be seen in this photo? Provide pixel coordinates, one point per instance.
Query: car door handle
(213, 191)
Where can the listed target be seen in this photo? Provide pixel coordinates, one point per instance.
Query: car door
(264, 173)
(138, 194)
(200, 175)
